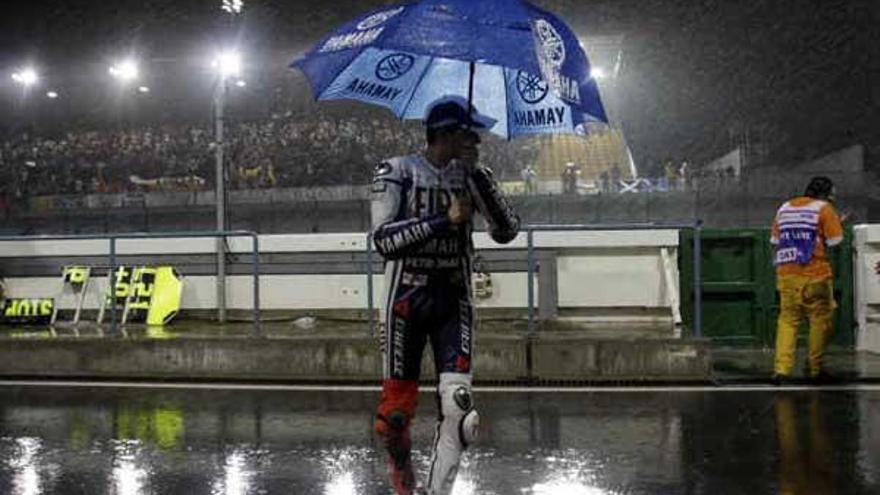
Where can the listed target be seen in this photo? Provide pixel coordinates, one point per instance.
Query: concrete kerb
(345, 359)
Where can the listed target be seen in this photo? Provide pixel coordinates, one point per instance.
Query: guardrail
(112, 238)
(530, 230)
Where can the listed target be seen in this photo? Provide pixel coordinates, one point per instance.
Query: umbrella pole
(473, 67)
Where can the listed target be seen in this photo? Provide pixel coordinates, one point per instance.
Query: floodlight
(227, 63)
(597, 73)
(241, 83)
(125, 71)
(144, 89)
(52, 94)
(232, 6)
(26, 77)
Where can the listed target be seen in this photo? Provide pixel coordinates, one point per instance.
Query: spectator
(529, 177)
(683, 176)
(615, 178)
(670, 175)
(570, 179)
(605, 182)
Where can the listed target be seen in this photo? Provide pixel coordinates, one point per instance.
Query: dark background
(795, 78)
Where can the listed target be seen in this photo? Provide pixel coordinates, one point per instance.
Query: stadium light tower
(227, 65)
(125, 71)
(232, 6)
(26, 77)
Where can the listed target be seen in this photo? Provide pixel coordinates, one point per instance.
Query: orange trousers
(799, 298)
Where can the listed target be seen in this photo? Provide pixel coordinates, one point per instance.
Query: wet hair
(820, 187)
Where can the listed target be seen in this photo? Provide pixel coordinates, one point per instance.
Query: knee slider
(457, 407)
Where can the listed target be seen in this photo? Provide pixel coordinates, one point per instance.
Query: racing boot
(398, 443)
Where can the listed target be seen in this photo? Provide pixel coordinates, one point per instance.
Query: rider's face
(466, 138)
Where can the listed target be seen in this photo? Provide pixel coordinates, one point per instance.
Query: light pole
(227, 64)
(27, 78)
(126, 73)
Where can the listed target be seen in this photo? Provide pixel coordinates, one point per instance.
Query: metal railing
(112, 238)
(697, 246)
(530, 230)
(370, 319)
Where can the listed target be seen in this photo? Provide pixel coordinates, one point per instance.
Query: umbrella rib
(506, 101)
(416, 88)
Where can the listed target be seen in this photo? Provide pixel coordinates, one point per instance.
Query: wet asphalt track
(106, 438)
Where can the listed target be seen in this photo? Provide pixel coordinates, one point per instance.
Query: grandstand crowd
(297, 149)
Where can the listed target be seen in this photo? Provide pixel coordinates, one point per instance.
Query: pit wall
(867, 286)
(620, 275)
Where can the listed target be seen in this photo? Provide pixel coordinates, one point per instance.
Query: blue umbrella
(521, 66)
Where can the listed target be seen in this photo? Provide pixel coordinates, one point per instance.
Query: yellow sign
(141, 288)
(165, 299)
(76, 275)
(152, 293)
(28, 311)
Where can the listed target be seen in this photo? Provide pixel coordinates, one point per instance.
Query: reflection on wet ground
(750, 364)
(196, 441)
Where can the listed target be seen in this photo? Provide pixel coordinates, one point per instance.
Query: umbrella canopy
(519, 65)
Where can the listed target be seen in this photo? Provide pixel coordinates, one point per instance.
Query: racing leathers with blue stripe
(428, 291)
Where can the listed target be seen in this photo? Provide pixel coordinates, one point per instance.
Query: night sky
(799, 77)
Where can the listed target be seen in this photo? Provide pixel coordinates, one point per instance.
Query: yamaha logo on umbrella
(378, 19)
(531, 88)
(552, 49)
(394, 66)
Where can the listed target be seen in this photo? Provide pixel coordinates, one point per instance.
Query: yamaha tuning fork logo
(394, 66)
(551, 54)
(389, 68)
(551, 50)
(531, 88)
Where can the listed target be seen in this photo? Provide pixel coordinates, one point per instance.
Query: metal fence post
(698, 280)
(370, 322)
(256, 268)
(112, 289)
(530, 283)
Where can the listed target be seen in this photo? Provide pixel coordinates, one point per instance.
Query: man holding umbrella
(422, 225)
(525, 70)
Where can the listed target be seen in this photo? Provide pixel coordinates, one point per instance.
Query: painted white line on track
(430, 388)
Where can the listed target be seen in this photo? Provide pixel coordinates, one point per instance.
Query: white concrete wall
(867, 286)
(601, 269)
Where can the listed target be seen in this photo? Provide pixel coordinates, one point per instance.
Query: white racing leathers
(428, 293)
(457, 427)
